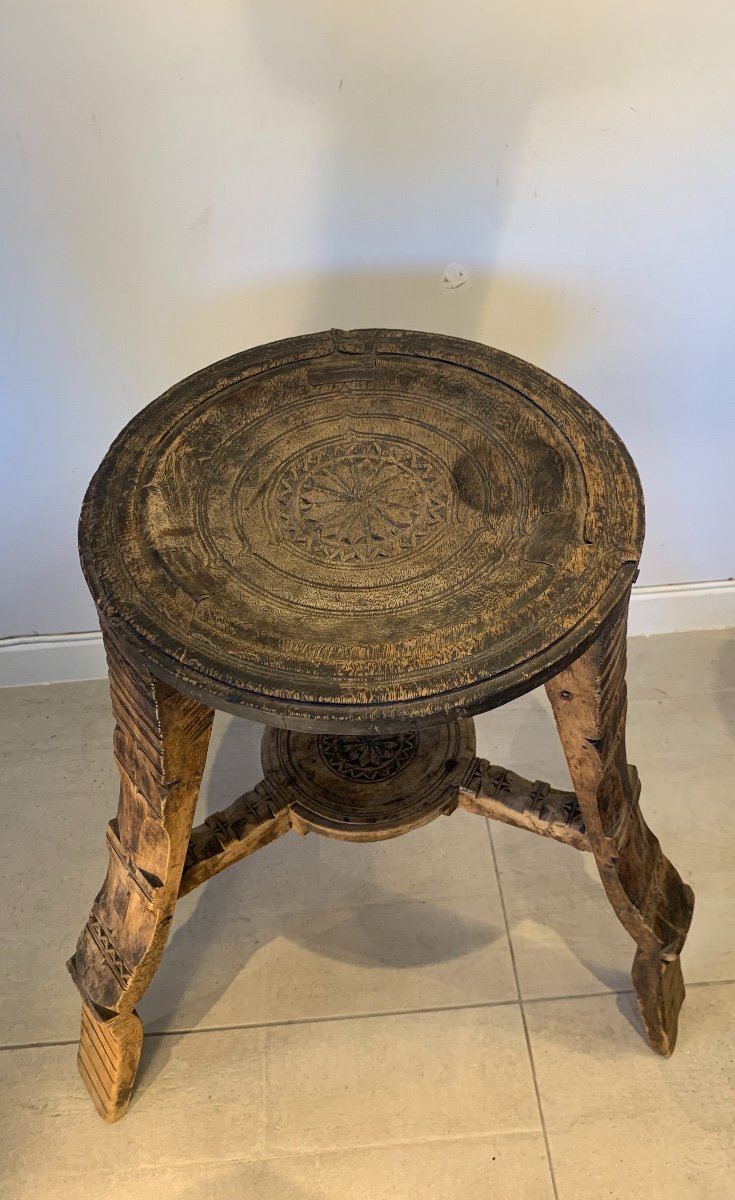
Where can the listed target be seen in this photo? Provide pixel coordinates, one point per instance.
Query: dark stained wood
(364, 788)
(646, 892)
(373, 528)
(359, 539)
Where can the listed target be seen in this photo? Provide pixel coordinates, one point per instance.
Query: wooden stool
(360, 539)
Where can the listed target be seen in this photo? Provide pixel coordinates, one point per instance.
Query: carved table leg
(647, 893)
(160, 742)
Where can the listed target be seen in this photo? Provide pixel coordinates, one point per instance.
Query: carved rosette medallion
(361, 499)
(367, 759)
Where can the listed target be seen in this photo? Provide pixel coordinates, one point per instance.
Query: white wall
(185, 178)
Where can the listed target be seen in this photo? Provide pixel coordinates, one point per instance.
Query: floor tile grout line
(696, 983)
(327, 1018)
(39, 1045)
(264, 1091)
(392, 1143)
(331, 1018)
(287, 1022)
(367, 1016)
(524, 1022)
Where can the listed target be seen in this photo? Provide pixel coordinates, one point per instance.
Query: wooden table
(360, 539)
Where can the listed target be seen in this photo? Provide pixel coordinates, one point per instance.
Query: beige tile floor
(444, 1015)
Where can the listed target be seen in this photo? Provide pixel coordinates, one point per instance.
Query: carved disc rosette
(366, 788)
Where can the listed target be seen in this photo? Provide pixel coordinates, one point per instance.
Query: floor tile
(423, 910)
(57, 717)
(666, 734)
(224, 967)
(676, 664)
(694, 818)
(417, 1076)
(506, 1165)
(417, 1103)
(525, 740)
(58, 789)
(203, 1101)
(199, 1100)
(311, 927)
(678, 733)
(566, 938)
(625, 1123)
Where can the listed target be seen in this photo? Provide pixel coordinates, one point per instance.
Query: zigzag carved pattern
(103, 938)
(141, 705)
(145, 882)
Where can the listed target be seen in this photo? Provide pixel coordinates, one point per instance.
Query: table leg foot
(109, 1053)
(659, 988)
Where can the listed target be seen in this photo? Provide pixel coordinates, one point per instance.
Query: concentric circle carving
(373, 528)
(366, 759)
(362, 499)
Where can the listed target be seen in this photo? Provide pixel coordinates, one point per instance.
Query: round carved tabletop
(359, 531)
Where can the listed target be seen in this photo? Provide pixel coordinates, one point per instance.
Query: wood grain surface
(160, 741)
(589, 701)
(361, 530)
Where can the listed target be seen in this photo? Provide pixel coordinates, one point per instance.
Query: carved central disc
(366, 788)
(357, 500)
(365, 759)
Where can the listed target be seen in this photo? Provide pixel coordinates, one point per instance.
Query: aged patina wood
(504, 796)
(370, 528)
(359, 539)
(589, 702)
(160, 740)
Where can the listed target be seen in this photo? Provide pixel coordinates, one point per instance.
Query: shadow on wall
(423, 111)
(418, 128)
(512, 314)
(215, 181)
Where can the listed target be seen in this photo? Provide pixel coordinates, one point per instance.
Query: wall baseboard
(665, 608)
(51, 658)
(682, 607)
